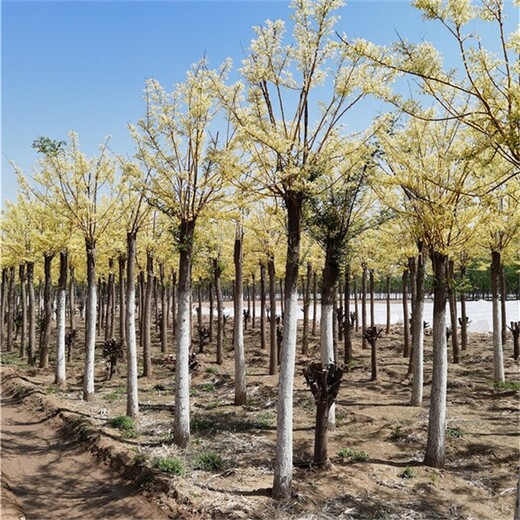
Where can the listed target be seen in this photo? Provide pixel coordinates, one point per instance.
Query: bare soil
(376, 449)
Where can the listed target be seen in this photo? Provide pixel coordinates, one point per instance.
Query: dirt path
(45, 477)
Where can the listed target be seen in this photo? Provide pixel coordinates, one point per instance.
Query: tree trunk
(240, 362)
(3, 306)
(339, 316)
(324, 383)
(387, 330)
(101, 307)
(273, 352)
(263, 342)
(282, 300)
(10, 310)
(321, 435)
(164, 310)
(199, 313)
(90, 322)
(23, 303)
(453, 312)
(284, 450)
(498, 356)
(72, 298)
(253, 299)
(211, 311)
(435, 446)
(217, 271)
(330, 277)
(110, 308)
(515, 330)
(31, 346)
(132, 396)
(248, 313)
(418, 331)
(406, 322)
(348, 327)
(147, 318)
(314, 301)
(61, 320)
(45, 333)
(181, 430)
(372, 334)
(140, 305)
(412, 267)
(356, 310)
(372, 299)
(364, 307)
(122, 301)
(503, 299)
(335, 331)
(306, 305)
(463, 315)
(174, 303)
(109, 296)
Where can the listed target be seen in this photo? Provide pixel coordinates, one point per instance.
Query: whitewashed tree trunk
(498, 355)
(72, 298)
(146, 322)
(327, 348)
(273, 345)
(217, 271)
(284, 449)
(122, 301)
(418, 333)
(45, 332)
(31, 346)
(61, 321)
(132, 393)
(181, 430)
(238, 333)
(435, 446)
(90, 323)
(23, 305)
(328, 296)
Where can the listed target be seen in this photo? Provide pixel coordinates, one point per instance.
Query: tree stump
(324, 384)
(372, 334)
(112, 352)
(515, 330)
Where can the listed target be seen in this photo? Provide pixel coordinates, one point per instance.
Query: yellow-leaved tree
(285, 130)
(483, 92)
(174, 143)
(79, 189)
(431, 162)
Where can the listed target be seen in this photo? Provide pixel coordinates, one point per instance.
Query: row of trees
(434, 183)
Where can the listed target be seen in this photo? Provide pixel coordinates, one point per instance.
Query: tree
(238, 335)
(174, 144)
(338, 214)
(287, 150)
(501, 209)
(133, 211)
(431, 163)
(488, 80)
(18, 242)
(73, 186)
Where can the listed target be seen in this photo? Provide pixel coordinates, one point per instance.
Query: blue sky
(81, 65)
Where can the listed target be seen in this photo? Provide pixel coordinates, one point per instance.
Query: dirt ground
(377, 447)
